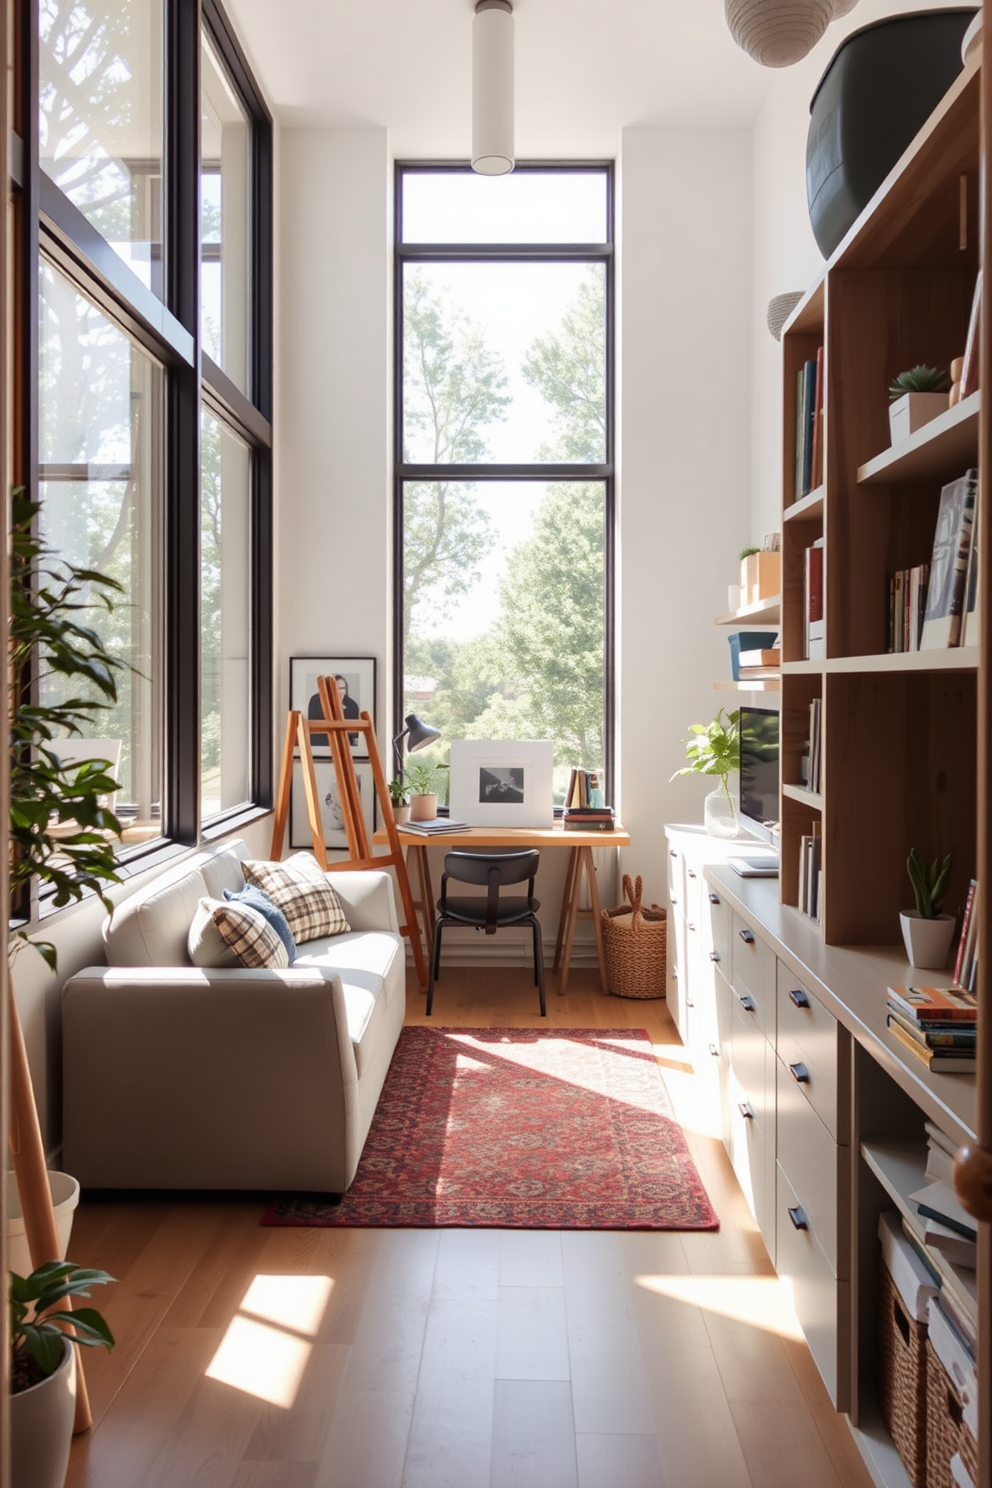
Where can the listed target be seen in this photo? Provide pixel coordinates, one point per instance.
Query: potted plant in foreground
(716, 750)
(926, 932)
(43, 1367)
(398, 796)
(421, 782)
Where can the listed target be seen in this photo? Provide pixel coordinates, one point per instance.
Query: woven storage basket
(902, 1378)
(634, 945)
(946, 1431)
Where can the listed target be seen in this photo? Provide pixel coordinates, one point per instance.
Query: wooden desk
(518, 839)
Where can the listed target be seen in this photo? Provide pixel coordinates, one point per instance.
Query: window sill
(234, 821)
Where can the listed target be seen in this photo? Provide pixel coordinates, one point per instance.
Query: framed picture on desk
(502, 782)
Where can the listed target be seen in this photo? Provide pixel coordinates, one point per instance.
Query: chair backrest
(480, 868)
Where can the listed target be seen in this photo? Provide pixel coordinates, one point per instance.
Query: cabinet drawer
(753, 1158)
(720, 927)
(820, 1300)
(810, 1037)
(753, 972)
(750, 1058)
(693, 891)
(814, 1165)
(723, 1002)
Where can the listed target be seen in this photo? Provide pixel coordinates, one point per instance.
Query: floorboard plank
(533, 1435)
(450, 1440)
(532, 1334)
(618, 1461)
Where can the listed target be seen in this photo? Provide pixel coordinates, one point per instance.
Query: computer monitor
(759, 808)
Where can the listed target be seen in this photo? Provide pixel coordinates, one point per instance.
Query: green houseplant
(926, 932)
(43, 1371)
(916, 396)
(421, 782)
(715, 749)
(400, 799)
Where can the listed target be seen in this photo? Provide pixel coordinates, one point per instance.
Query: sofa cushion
(206, 946)
(363, 960)
(250, 935)
(257, 898)
(152, 928)
(302, 891)
(222, 869)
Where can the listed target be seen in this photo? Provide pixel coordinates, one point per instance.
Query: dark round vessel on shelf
(880, 87)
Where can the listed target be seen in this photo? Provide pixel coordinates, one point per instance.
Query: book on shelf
(935, 1035)
(940, 1165)
(435, 827)
(969, 923)
(972, 345)
(939, 1202)
(907, 606)
(962, 1301)
(940, 1061)
(584, 788)
(957, 1248)
(813, 768)
(588, 824)
(971, 618)
(809, 873)
(814, 629)
(939, 1139)
(949, 564)
(943, 1004)
(809, 426)
(758, 673)
(767, 658)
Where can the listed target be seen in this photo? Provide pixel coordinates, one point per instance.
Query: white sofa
(176, 1077)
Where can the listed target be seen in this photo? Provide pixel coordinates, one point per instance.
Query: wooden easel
(334, 724)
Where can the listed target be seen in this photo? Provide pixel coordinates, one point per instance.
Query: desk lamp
(417, 734)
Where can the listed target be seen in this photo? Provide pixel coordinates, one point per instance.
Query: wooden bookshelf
(755, 684)
(765, 612)
(900, 753)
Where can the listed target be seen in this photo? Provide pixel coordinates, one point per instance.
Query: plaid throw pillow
(301, 890)
(250, 936)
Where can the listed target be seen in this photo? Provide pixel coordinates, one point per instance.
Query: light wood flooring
(454, 1358)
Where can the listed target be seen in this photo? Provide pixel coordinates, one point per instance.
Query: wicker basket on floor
(902, 1367)
(634, 945)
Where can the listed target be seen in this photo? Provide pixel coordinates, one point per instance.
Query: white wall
(785, 253)
(685, 313)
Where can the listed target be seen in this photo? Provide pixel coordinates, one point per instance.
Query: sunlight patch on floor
(760, 1301)
(267, 1358)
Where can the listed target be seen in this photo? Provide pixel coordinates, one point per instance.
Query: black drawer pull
(799, 1073)
(675, 973)
(674, 898)
(714, 898)
(747, 1003)
(745, 1110)
(672, 853)
(690, 872)
(747, 936)
(714, 955)
(798, 1217)
(714, 1051)
(689, 925)
(799, 997)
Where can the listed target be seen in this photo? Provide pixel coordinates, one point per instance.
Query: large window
(144, 225)
(504, 458)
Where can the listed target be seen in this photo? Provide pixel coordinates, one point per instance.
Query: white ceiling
(585, 69)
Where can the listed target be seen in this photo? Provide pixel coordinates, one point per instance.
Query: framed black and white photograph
(355, 679)
(502, 782)
(331, 814)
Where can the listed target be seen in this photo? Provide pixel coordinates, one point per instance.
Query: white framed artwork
(502, 782)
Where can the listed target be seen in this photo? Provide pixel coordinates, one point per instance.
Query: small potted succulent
(916, 396)
(715, 749)
(760, 575)
(400, 799)
(43, 1366)
(421, 782)
(926, 932)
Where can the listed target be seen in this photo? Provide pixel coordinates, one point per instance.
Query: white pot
(65, 1197)
(928, 942)
(41, 1421)
(401, 814)
(912, 411)
(423, 808)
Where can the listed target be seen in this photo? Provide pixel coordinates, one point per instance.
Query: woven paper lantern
(780, 307)
(777, 33)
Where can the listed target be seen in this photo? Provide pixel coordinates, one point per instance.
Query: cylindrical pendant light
(492, 88)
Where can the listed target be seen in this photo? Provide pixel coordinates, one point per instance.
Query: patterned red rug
(519, 1129)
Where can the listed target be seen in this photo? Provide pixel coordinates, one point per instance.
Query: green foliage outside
(539, 671)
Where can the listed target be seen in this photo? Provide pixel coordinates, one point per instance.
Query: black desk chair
(490, 914)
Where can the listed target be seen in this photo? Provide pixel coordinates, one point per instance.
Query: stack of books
(810, 873)
(936, 1025)
(809, 426)
(966, 961)
(588, 819)
(759, 663)
(584, 789)
(947, 1225)
(952, 601)
(436, 827)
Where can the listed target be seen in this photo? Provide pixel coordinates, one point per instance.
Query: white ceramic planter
(401, 814)
(927, 942)
(423, 808)
(912, 411)
(41, 1421)
(65, 1197)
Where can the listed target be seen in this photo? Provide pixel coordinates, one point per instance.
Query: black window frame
(48, 225)
(604, 473)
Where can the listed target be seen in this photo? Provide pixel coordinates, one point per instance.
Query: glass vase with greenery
(715, 749)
